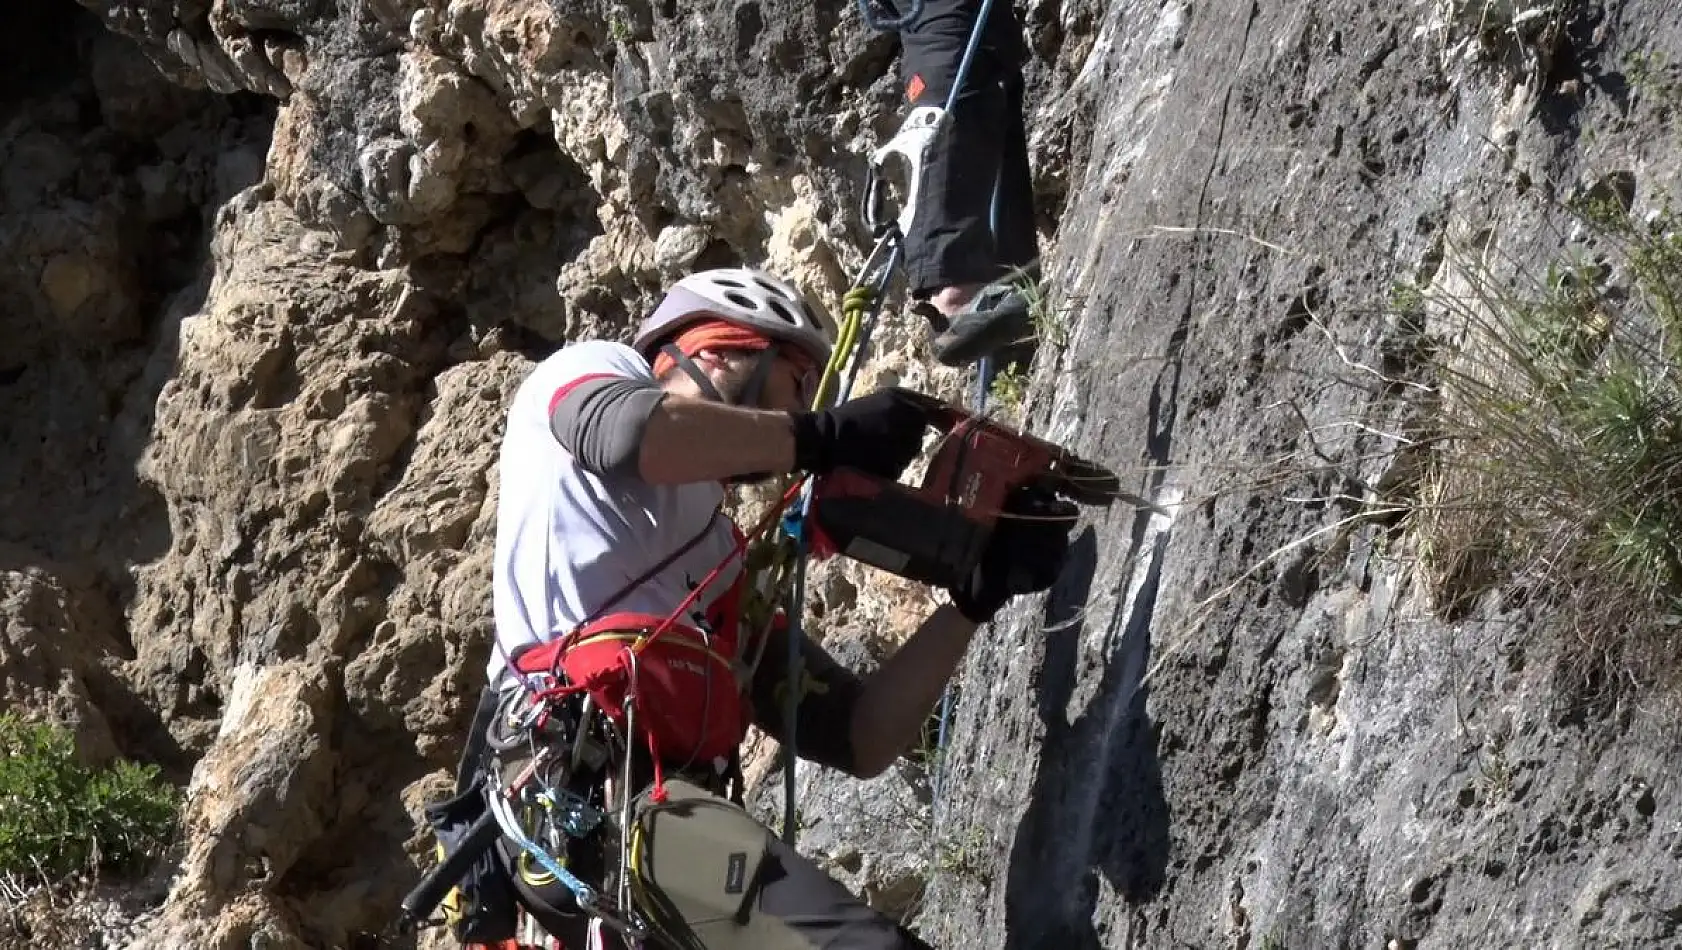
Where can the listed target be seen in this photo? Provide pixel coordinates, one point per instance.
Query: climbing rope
(983, 386)
(860, 307)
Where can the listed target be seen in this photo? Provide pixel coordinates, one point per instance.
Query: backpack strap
(649, 574)
(510, 661)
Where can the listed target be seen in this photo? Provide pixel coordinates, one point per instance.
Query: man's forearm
(695, 440)
(899, 696)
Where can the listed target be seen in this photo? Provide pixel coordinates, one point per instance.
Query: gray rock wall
(261, 318)
(1244, 726)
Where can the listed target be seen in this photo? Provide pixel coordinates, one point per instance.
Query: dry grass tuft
(1556, 467)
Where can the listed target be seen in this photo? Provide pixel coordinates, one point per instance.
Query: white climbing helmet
(747, 298)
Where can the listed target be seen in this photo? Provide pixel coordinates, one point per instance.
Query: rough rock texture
(274, 266)
(106, 172)
(1241, 725)
(275, 269)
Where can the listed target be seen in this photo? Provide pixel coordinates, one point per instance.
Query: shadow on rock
(104, 255)
(1097, 805)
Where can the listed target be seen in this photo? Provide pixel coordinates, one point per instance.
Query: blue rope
(581, 892)
(794, 678)
(984, 372)
(969, 55)
(983, 386)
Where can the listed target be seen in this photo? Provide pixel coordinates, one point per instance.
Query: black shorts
(958, 235)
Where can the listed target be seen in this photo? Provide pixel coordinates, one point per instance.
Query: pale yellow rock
(316, 440)
(677, 247)
(261, 795)
(68, 281)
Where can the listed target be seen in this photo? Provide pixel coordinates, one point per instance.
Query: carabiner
(911, 143)
(879, 264)
(619, 919)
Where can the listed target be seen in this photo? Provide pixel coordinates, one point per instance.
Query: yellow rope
(542, 877)
(855, 304)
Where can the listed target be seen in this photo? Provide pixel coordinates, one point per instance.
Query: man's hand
(1025, 554)
(879, 433)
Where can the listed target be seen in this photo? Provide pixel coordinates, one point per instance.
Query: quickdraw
(911, 145)
(774, 561)
(860, 307)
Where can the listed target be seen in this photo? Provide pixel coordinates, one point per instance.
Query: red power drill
(936, 532)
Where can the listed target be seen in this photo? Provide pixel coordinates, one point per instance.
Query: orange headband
(720, 335)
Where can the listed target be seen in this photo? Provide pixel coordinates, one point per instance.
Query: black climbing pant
(984, 144)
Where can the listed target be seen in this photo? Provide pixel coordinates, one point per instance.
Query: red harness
(684, 682)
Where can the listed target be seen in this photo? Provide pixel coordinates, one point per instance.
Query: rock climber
(615, 459)
(963, 264)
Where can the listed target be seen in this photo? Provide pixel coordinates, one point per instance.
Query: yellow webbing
(639, 890)
(640, 638)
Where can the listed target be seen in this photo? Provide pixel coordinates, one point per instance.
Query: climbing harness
(609, 688)
(616, 683)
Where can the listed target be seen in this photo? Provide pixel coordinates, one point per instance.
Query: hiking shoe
(998, 317)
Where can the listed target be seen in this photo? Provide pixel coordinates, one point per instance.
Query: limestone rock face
(273, 267)
(274, 270)
(1243, 723)
(108, 174)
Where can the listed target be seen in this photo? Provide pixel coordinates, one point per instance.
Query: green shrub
(1009, 387)
(1557, 462)
(59, 817)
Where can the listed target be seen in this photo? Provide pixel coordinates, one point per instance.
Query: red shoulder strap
(645, 576)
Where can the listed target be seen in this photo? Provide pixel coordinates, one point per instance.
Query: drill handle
(941, 414)
(418, 905)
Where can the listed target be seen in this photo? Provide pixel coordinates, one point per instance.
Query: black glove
(1025, 554)
(879, 433)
